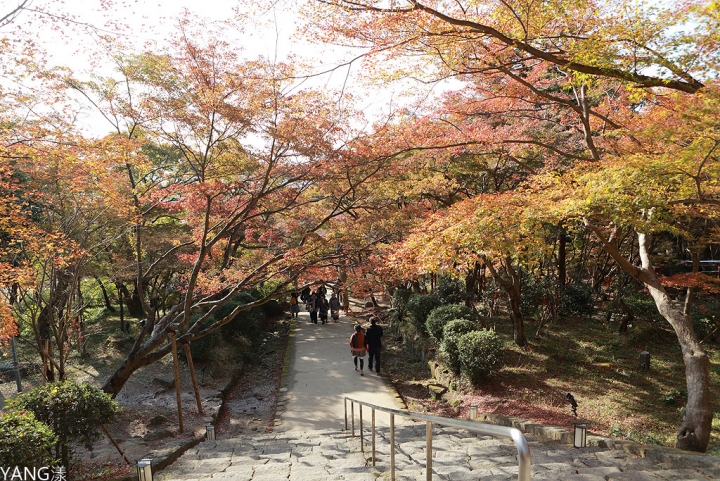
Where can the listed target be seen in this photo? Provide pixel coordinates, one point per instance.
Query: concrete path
(322, 373)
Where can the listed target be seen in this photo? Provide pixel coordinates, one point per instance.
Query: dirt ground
(149, 420)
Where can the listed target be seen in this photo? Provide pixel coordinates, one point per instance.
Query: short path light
(210, 432)
(579, 435)
(645, 360)
(473, 413)
(144, 470)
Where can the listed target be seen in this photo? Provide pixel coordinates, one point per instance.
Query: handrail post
(392, 446)
(524, 461)
(373, 436)
(362, 444)
(428, 448)
(345, 405)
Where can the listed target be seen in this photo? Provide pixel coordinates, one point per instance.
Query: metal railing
(490, 429)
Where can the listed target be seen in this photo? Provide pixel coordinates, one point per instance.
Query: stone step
(457, 455)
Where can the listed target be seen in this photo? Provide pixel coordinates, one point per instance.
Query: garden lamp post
(144, 470)
(579, 435)
(210, 432)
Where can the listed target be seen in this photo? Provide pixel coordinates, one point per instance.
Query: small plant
(440, 316)
(479, 352)
(451, 334)
(74, 412)
(25, 441)
(420, 306)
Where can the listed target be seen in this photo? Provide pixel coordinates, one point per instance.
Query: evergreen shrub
(25, 441)
(452, 332)
(420, 306)
(479, 352)
(74, 412)
(440, 316)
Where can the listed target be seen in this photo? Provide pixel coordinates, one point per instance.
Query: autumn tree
(582, 80)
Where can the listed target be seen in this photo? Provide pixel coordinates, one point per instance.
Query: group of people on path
(362, 342)
(367, 341)
(317, 304)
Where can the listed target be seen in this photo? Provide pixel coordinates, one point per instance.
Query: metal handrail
(500, 431)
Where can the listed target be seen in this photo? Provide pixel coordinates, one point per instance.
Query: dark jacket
(373, 335)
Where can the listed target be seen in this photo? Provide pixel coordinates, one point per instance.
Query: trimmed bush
(25, 441)
(73, 411)
(479, 352)
(452, 331)
(450, 290)
(420, 306)
(440, 316)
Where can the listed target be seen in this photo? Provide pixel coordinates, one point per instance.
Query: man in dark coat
(372, 339)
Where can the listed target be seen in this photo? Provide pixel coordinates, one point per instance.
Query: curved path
(321, 373)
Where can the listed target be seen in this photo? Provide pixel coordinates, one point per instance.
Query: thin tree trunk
(106, 298)
(691, 290)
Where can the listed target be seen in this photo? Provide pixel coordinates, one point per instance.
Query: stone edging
(282, 396)
(661, 454)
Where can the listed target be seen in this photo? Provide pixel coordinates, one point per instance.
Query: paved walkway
(309, 443)
(322, 373)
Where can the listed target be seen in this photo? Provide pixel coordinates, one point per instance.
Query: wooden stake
(117, 446)
(177, 380)
(186, 346)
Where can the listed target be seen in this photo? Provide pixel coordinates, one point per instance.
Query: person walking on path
(323, 307)
(335, 307)
(357, 347)
(373, 342)
(312, 307)
(294, 305)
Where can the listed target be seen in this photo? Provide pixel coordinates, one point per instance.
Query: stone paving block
(633, 476)
(272, 471)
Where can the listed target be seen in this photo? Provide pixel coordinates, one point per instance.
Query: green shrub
(440, 316)
(452, 331)
(25, 441)
(399, 302)
(74, 412)
(479, 352)
(576, 299)
(272, 308)
(246, 323)
(450, 290)
(420, 306)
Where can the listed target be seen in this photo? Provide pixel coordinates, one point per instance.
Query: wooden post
(177, 379)
(186, 346)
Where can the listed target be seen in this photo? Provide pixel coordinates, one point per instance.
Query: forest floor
(149, 418)
(588, 359)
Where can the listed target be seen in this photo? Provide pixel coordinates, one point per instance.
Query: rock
(283, 389)
(156, 420)
(208, 419)
(160, 434)
(436, 391)
(166, 382)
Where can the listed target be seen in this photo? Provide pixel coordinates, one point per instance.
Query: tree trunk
(562, 259)
(512, 289)
(106, 298)
(691, 290)
(694, 432)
